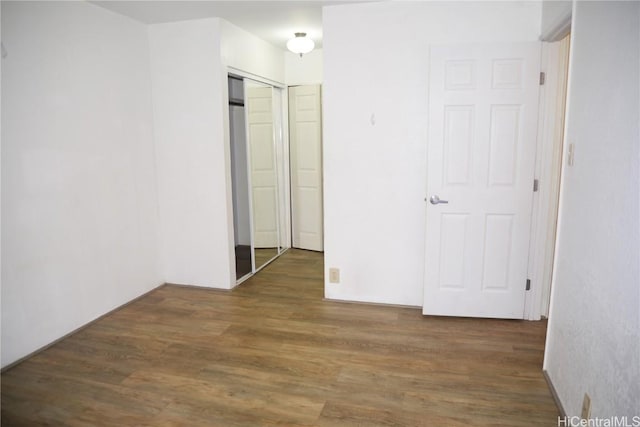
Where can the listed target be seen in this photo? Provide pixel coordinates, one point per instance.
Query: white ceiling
(272, 21)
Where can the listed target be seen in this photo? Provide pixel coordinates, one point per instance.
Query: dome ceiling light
(300, 44)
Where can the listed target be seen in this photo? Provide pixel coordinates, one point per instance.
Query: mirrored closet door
(257, 163)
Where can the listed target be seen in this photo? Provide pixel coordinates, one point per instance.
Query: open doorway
(239, 179)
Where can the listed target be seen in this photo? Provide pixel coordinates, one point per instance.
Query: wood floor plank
(273, 352)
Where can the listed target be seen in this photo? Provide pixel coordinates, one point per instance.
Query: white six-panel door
(259, 103)
(305, 136)
(481, 153)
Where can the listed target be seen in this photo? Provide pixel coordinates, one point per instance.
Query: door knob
(436, 200)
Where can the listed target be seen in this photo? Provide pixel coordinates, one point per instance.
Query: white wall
(556, 15)
(303, 71)
(244, 51)
(593, 341)
(189, 100)
(79, 211)
(2, 53)
(376, 66)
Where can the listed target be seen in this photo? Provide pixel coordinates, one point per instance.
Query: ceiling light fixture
(300, 44)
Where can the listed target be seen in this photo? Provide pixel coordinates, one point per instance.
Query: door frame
(549, 164)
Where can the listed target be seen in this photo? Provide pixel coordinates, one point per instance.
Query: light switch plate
(571, 154)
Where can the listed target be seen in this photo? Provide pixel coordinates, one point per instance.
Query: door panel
(305, 133)
(481, 154)
(262, 162)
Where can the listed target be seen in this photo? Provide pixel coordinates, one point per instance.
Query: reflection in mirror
(262, 170)
(239, 179)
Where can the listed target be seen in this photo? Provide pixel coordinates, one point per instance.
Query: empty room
(320, 213)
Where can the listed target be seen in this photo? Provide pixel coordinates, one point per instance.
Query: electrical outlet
(586, 407)
(334, 275)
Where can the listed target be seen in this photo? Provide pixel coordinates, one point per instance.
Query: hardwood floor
(273, 353)
(264, 255)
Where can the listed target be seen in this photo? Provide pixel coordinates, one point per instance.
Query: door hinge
(543, 76)
(535, 185)
(528, 287)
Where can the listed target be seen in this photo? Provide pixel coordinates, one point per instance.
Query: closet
(257, 174)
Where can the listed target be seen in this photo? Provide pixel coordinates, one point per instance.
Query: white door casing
(483, 107)
(305, 136)
(262, 161)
